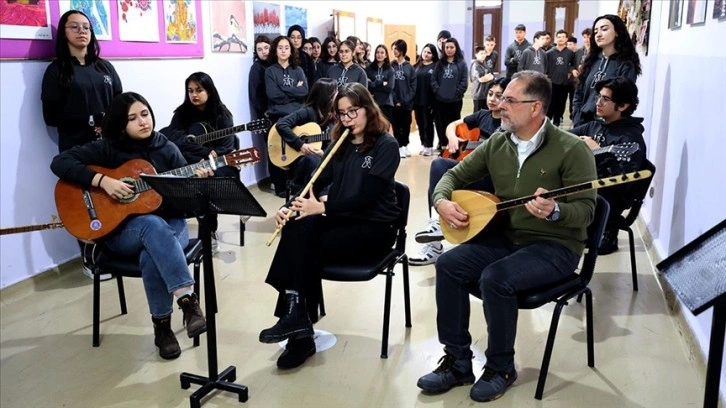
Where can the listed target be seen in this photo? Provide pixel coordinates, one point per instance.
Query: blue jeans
(497, 269)
(159, 243)
(440, 166)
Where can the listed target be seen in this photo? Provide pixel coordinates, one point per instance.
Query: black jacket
(183, 125)
(257, 93)
(628, 129)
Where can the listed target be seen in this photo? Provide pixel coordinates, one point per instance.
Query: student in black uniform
(612, 54)
(359, 212)
(257, 94)
(347, 70)
(203, 112)
(533, 58)
(423, 101)
(157, 239)
(515, 49)
(403, 92)
(77, 89)
(381, 81)
(296, 35)
(560, 67)
(329, 57)
(287, 87)
(449, 83)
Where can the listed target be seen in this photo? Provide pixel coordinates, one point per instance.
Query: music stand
(201, 197)
(696, 274)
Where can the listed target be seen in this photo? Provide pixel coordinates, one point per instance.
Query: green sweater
(559, 160)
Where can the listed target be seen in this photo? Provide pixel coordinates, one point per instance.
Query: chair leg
(96, 308)
(322, 300)
(590, 329)
(633, 267)
(406, 291)
(197, 265)
(386, 313)
(242, 227)
(548, 351)
(121, 293)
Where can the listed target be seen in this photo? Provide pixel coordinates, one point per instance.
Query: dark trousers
(301, 171)
(480, 104)
(446, 113)
(620, 199)
(425, 121)
(496, 269)
(308, 244)
(571, 96)
(401, 125)
(557, 104)
(387, 112)
(440, 165)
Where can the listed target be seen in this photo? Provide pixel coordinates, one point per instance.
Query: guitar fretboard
(186, 171)
(219, 134)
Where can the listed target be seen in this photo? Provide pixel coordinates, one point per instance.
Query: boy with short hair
(482, 72)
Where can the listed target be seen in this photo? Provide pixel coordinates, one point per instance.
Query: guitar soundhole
(131, 197)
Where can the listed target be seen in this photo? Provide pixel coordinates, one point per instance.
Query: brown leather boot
(165, 339)
(193, 316)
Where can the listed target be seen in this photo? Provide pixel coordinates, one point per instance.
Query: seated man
(615, 105)
(539, 243)
(488, 122)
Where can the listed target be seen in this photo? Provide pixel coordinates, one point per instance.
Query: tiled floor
(47, 359)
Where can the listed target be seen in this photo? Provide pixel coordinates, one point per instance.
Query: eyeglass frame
(347, 113)
(76, 28)
(509, 101)
(605, 99)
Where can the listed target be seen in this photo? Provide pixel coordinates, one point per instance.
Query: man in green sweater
(539, 243)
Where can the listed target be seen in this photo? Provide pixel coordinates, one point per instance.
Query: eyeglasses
(351, 114)
(511, 101)
(605, 99)
(76, 28)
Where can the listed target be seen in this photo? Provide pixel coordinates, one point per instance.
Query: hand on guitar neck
(120, 190)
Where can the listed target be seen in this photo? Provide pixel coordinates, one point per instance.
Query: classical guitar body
(107, 213)
(481, 207)
(283, 155)
(468, 135)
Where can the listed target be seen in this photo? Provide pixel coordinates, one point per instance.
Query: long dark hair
(321, 99)
(386, 60)
(624, 49)
(324, 50)
(117, 118)
(458, 55)
(434, 55)
(376, 123)
(294, 58)
(63, 53)
(213, 109)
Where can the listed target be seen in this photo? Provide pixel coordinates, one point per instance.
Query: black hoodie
(624, 130)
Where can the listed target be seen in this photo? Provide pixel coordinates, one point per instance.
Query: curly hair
(294, 57)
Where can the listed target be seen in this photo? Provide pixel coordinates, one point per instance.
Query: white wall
(27, 145)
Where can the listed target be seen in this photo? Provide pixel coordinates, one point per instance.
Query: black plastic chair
(625, 223)
(120, 266)
(565, 290)
(381, 266)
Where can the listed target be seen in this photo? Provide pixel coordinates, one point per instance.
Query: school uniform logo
(448, 73)
(517, 54)
(286, 80)
(107, 80)
(342, 81)
(489, 64)
(366, 162)
(537, 60)
(379, 77)
(560, 61)
(400, 75)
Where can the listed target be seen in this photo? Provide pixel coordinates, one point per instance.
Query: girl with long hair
(449, 83)
(257, 94)
(403, 93)
(423, 101)
(329, 57)
(347, 71)
(381, 81)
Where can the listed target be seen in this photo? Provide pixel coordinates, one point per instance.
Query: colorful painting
(181, 21)
(296, 15)
(29, 19)
(229, 26)
(636, 16)
(266, 18)
(99, 12)
(719, 10)
(138, 20)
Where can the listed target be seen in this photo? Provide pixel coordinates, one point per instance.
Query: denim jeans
(498, 269)
(440, 166)
(159, 243)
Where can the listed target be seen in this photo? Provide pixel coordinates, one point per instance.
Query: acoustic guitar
(482, 206)
(201, 132)
(470, 142)
(283, 155)
(92, 214)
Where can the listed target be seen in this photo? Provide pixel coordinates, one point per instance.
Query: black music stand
(697, 274)
(201, 197)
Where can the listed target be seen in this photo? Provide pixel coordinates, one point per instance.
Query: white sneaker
(402, 152)
(432, 233)
(428, 151)
(88, 271)
(215, 243)
(428, 254)
(407, 151)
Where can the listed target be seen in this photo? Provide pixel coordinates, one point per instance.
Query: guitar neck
(219, 134)
(29, 228)
(186, 171)
(320, 137)
(601, 150)
(589, 185)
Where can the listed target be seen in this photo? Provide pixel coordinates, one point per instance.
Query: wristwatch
(555, 215)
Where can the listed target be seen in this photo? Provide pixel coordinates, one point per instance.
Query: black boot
(295, 323)
(609, 242)
(193, 316)
(165, 339)
(296, 352)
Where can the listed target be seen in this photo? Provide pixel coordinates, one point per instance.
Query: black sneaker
(450, 373)
(296, 352)
(609, 242)
(492, 385)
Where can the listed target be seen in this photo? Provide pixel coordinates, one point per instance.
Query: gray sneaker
(215, 243)
(450, 373)
(492, 385)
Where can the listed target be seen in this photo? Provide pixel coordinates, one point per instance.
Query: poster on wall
(98, 12)
(675, 16)
(266, 19)
(229, 26)
(296, 16)
(138, 20)
(696, 12)
(636, 16)
(719, 10)
(180, 18)
(25, 20)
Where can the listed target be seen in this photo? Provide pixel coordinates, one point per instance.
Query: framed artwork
(719, 10)
(296, 15)
(675, 17)
(636, 16)
(696, 12)
(26, 20)
(98, 13)
(229, 26)
(266, 18)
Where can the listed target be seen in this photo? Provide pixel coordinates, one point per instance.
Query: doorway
(560, 15)
(487, 21)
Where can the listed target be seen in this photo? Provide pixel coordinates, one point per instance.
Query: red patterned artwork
(28, 13)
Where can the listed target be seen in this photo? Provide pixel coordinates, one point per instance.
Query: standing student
(533, 58)
(424, 101)
(560, 67)
(440, 40)
(482, 72)
(515, 49)
(157, 239)
(329, 57)
(353, 225)
(368, 53)
(611, 55)
(296, 34)
(287, 87)
(381, 82)
(257, 93)
(347, 70)
(359, 51)
(449, 84)
(78, 86)
(573, 81)
(403, 92)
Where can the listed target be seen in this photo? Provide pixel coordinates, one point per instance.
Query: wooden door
(487, 21)
(393, 32)
(560, 15)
